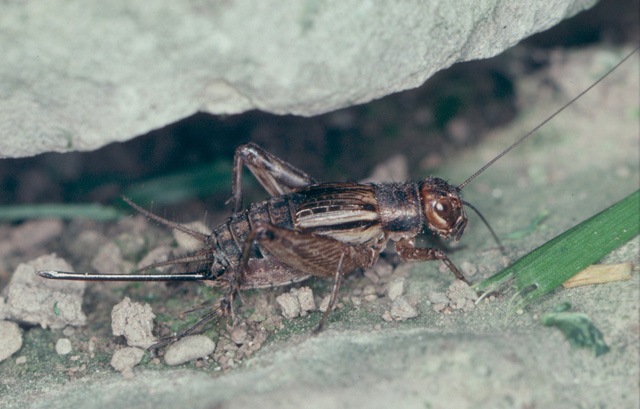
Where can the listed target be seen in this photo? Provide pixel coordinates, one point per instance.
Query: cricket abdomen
(231, 235)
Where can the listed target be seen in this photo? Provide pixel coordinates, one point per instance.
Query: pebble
(289, 305)
(401, 310)
(189, 349)
(10, 339)
(396, 288)
(63, 346)
(238, 334)
(123, 360)
(305, 299)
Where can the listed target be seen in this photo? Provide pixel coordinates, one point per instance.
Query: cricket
(308, 228)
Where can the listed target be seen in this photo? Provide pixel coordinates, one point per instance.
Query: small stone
(134, 321)
(401, 310)
(305, 298)
(289, 305)
(10, 339)
(325, 304)
(21, 360)
(123, 360)
(370, 297)
(189, 349)
(387, 316)
(396, 287)
(238, 334)
(468, 269)
(63, 346)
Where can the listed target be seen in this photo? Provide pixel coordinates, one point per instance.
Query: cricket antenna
(534, 130)
(486, 223)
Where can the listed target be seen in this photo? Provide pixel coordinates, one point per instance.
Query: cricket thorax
(442, 208)
(399, 207)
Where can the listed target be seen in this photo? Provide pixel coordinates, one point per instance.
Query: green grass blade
(90, 211)
(180, 186)
(551, 264)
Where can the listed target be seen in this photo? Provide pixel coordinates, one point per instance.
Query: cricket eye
(444, 209)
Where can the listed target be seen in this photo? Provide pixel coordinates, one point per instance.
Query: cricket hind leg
(276, 176)
(309, 254)
(219, 311)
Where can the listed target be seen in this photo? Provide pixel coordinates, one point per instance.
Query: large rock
(78, 75)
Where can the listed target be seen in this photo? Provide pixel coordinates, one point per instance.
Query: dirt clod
(36, 300)
(134, 321)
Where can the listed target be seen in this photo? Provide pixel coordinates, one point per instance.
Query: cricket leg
(408, 252)
(334, 295)
(308, 253)
(220, 310)
(275, 175)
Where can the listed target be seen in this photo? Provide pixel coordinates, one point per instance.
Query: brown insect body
(366, 216)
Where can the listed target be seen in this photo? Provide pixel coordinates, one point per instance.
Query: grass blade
(551, 264)
(90, 211)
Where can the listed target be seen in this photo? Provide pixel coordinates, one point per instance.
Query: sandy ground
(584, 161)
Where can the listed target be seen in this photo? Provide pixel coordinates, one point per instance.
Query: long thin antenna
(534, 130)
(200, 236)
(486, 223)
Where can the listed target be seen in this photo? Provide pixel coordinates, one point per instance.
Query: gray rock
(289, 304)
(188, 349)
(123, 68)
(36, 300)
(401, 310)
(10, 339)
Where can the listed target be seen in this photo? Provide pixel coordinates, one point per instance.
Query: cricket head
(443, 208)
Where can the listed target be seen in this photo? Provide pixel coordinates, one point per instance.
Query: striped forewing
(345, 212)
